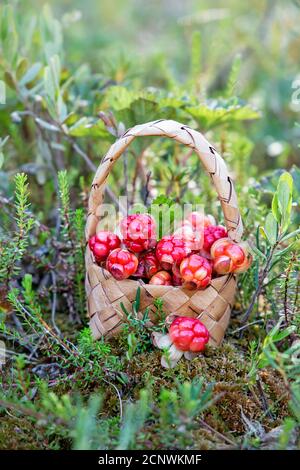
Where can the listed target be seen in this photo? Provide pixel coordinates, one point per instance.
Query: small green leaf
(1, 159)
(280, 335)
(46, 125)
(31, 74)
(271, 229)
(119, 97)
(275, 208)
(61, 108)
(262, 232)
(285, 192)
(137, 302)
(22, 67)
(163, 199)
(216, 114)
(86, 127)
(287, 178)
(10, 80)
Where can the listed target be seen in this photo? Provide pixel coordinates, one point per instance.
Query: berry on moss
(189, 334)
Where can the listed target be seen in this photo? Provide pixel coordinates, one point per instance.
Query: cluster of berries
(198, 250)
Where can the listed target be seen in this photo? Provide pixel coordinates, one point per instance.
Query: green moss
(227, 368)
(19, 433)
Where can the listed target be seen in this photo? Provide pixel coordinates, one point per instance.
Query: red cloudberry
(148, 265)
(103, 243)
(230, 257)
(162, 278)
(171, 250)
(138, 232)
(121, 263)
(189, 238)
(213, 233)
(196, 271)
(199, 220)
(189, 334)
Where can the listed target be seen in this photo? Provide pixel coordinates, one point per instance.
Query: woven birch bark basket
(211, 305)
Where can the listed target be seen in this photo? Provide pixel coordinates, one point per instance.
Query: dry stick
(286, 288)
(246, 326)
(46, 328)
(263, 399)
(147, 188)
(54, 302)
(144, 174)
(118, 395)
(134, 180)
(260, 284)
(221, 436)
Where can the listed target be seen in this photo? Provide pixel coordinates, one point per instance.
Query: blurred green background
(132, 41)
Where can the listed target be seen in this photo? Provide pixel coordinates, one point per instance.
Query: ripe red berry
(171, 250)
(176, 276)
(103, 243)
(189, 334)
(138, 232)
(196, 271)
(148, 265)
(199, 221)
(121, 263)
(230, 257)
(213, 233)
(162, 278)
(191, 241)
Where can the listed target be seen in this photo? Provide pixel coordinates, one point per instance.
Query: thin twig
(246, 326)
(54, 303)
(119, 397)
(260, 284)
(221, 436)
(263, 399)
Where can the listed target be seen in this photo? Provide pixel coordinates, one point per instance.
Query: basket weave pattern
(105, 294)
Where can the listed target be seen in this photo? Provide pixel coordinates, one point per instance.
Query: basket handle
(212, 161)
